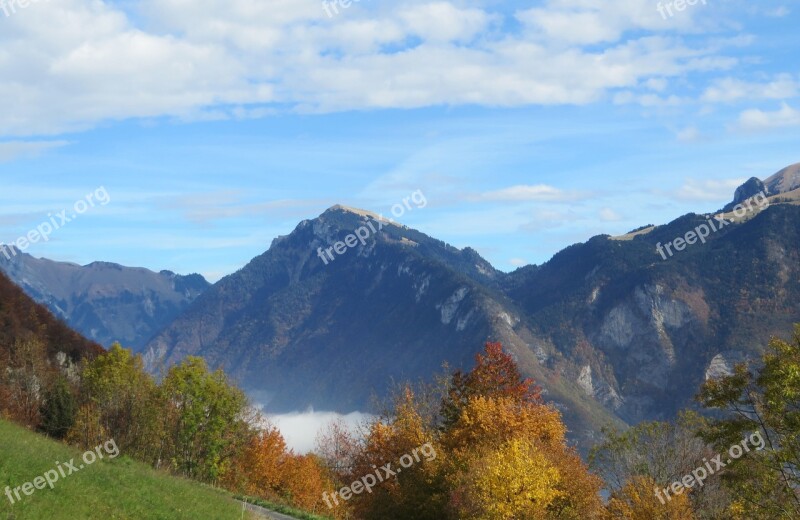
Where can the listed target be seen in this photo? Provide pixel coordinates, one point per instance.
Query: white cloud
(609, 215)
(755, 119)
(11, 150)
(517, 262)
(549, 219)
(656, 84)
(778, 12)
(784, 86)
(521, 193)
(647, 100)
(72, 64)
(207, 208)
(444, 22)
(708, 189)
(591, 22)
(690, 134)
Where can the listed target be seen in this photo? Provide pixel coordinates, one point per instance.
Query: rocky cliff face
(640, 333)
(103, 301)
(749, 189)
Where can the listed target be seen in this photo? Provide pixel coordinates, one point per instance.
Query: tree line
(502, 450)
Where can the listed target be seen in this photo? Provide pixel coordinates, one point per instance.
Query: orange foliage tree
(501, 453)
(263, 463)
(495, 375)
(414, 492)
(267, 469)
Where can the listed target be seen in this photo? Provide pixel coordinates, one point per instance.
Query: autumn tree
(662, 452)
(495, 374)
(87, 430)
(417, 491)
(262, 464)
(761, 401)
(493, 411)
(25, 377)
(122, 397)
(266, 468)
(501, 453)
(205, 419)
(305, 480)
(338, 446)
(488, 426)
(514, 481)
(636, 501)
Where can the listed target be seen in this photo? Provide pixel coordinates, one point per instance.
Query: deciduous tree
(764, 400)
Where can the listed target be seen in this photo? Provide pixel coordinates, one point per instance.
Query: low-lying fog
(300, 428)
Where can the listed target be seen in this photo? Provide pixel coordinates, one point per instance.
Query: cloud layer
(72, 64)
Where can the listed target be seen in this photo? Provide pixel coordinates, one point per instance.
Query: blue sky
(216, 126)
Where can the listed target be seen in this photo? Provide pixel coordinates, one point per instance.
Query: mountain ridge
(104, 301)
(612, 332)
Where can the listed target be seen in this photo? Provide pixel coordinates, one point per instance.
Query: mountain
(22, 318)
(641, 333)
(103, 301)
(785, 181)
(617, 329)
(297, 329)
(746, 191)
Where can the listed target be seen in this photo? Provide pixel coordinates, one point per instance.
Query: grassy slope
(116, 489)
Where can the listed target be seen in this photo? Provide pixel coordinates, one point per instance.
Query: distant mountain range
(103, 301)
(613, 332)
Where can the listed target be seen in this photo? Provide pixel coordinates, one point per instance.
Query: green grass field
(107, 489)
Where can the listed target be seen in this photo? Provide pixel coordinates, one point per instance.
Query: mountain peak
(786, 180)
(746, 191)
(339, 208)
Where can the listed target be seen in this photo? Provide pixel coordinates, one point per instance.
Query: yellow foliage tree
(494, 423)
(515, 481)
(487, 421)
(637, 501)
(501, 454)
(88, 430)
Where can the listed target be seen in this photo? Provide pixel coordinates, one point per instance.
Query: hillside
(36, 349)
(641, 333)
(21, 317)
(109, 488)
(105, 302)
